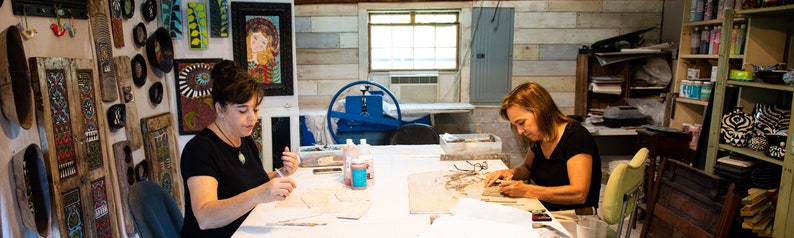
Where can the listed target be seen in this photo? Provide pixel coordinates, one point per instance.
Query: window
(413, 40)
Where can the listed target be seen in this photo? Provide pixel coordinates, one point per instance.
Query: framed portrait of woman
(262, 43)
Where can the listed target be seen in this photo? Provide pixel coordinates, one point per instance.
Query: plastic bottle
(714, 44)
(734, 34)
(699, 7)
(364, 154)
(351, 153)
(695, 41)
(705, 36)
(708, 10)
(358, 171)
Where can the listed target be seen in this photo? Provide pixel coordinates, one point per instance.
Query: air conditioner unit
(414, 87)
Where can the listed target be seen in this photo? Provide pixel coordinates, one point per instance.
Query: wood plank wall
(331, 41)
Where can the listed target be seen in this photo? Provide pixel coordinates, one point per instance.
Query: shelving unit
(768, 42)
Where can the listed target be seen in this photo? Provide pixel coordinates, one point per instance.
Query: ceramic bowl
(160, 50)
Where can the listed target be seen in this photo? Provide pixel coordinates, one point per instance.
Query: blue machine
(363, 116)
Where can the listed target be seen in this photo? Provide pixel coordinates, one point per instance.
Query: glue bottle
(351, 153)
(358, 174)
(365, 155)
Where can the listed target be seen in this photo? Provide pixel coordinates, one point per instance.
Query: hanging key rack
(46, 8)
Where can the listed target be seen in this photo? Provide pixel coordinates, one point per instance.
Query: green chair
(620, 196)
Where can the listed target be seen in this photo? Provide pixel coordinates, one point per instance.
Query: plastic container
(620, 116)
(365, 155)
(358, 171)
(351, 153)
(471, 143)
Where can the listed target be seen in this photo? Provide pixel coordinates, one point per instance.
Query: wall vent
(414, 87)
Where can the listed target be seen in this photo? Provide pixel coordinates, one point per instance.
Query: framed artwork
(263, 43)
(194, 98)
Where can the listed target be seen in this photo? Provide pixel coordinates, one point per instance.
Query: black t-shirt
(554, 171)
(206, 154)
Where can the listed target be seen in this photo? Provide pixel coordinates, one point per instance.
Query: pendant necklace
(239, 149)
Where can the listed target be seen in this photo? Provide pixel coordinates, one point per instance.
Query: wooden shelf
(752, 153)
(649, 88)
(691, 101)
(704, 23)
(707, 56)
(781, 87)
(768, 10)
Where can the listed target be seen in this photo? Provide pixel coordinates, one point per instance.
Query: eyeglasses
(476, 166)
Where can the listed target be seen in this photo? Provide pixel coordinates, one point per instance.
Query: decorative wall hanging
(27, 32)
(139, 34)
(66, 90)
(132, 124)
(125, 176)
(117, 115)
(56, 27)
(172, 17)
(33, 190)
(149, 10)
(156, 93)
(219, 18)
(70, 26)
(104, 52)
(768, 119)
(161, 152)
(139, 71)
(194, 99)
(160, 50)
(128, 8)
(116, 24)
(197, 25)
(16, 95)
(263, 44)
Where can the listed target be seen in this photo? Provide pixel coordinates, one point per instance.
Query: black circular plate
(139, 71)
(128, 8)
(160, 50)
(149, 10)
(139, 34)
(156, 93)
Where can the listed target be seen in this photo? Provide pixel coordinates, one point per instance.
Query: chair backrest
(691, 202)
(154, 211)
(414, 134)
(620, 195)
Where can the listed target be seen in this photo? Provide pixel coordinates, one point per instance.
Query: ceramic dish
(160, 50)
(156, 93)
(128, 8)
(139, 70)
(149, 10)
(117, 116)
(139, 34)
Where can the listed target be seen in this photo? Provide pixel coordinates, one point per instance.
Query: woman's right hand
(278, 189)
(491, 177)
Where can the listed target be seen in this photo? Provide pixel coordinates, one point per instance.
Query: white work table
(389, 214)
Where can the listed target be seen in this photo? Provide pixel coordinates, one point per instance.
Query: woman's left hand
(290, 162)
(515, 188)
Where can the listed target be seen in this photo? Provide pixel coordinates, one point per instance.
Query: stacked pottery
(737, 127)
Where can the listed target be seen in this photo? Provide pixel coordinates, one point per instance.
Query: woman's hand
(505, 174)
(515, 188)
(290, 162)
(277, 189)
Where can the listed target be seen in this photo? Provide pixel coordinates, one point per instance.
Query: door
(491, 54)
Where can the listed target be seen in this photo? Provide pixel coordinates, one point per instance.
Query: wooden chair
(688, 202)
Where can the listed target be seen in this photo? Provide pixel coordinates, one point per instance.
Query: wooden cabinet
(588, 66)
(768, 42)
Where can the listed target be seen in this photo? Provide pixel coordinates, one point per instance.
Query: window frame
(413, 13)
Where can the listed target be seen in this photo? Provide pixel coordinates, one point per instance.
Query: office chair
(415, 134)
(620, 195)
(154, 211)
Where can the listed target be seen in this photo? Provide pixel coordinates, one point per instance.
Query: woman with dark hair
(562, 164)
(220, 166)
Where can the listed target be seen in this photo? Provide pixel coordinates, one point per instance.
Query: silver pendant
(241, 157)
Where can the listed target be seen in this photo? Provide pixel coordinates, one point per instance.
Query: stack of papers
(606, 84)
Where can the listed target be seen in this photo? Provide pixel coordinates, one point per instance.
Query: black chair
(415, 134)
(154, 211)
